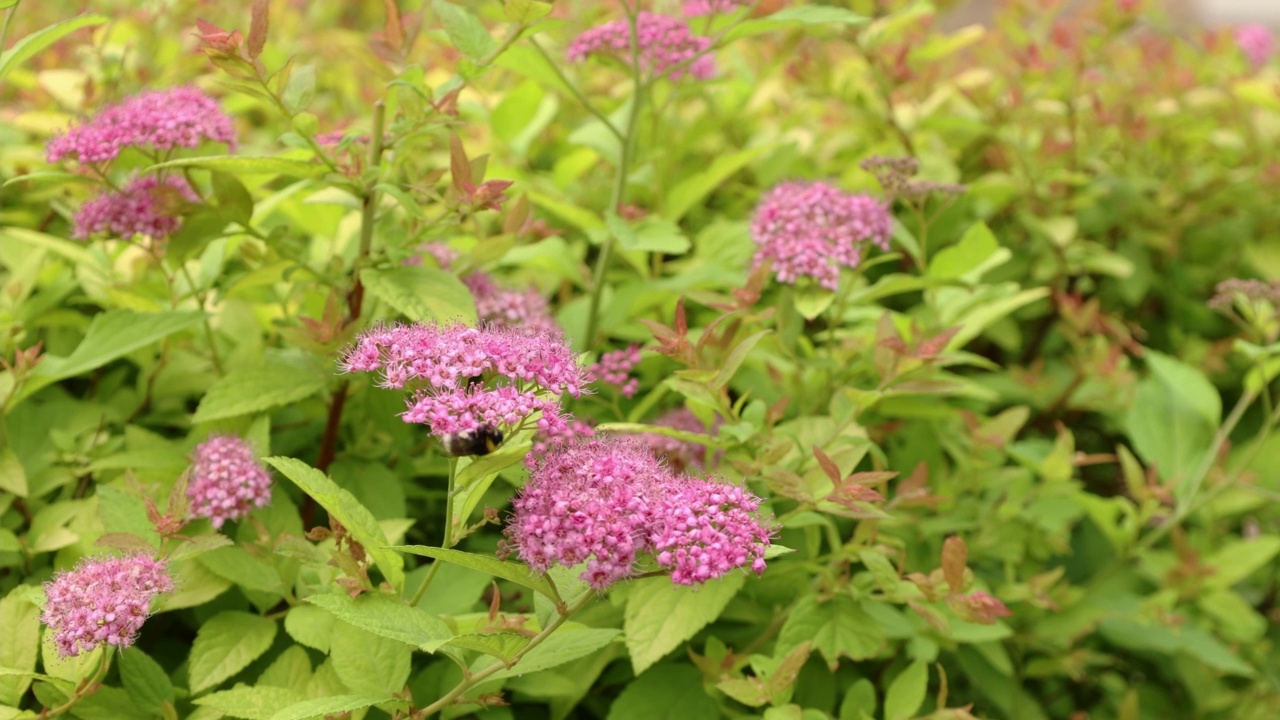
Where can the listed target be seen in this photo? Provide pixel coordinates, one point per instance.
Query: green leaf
(1172, 420)
(651, 234)
(332, 705)
(252, 703)
(282, 379)
(387, 618)
(71, 251)
(422, 293)
(145, 681)
(109, 703)
(836, 627)
(661, 615)
(125, 512)
(29, 46)
(692, 190)
(310, 625)
(13, 476)
(198, 230)
(1209, 650)
(465, 31)
(673, 692)
(248, 571)
(19, 645)
(368, 663)
(859, 701)
(344, 508)
(502, 645)
(226, 644)
(233, 198)
(525, 12)
(906, 694)
(736, 358)
(300, 90)
(977, 252)
(819, 15)
(580, 217)
(564, 645)
(513, 572)
(114, 334)
(1237, 560)
(246, 165)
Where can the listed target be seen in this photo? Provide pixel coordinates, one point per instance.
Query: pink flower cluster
(158, 120)
(523, 310)
(465, 378)
(1256, 42)
(615, 369)
(666, 46)
(813, 229)
(140, 209)
(606, 502)
(696, 8)
(557, 438)
(680, 454)
(103, 600)
(226, 481)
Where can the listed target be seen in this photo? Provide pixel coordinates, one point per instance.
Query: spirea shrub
(637, 360)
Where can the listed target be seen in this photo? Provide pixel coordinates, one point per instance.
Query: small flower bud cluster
(666, 46)
(523, 310)
(141, 209)
(103, 600)
(615, 369)
(226, 481)
(813, 229)
(464, 378)
(1228, 292)
(1257, 43)
(680, 454)
(606, 502)
(181, 117)
(895, 175)
(697, 8)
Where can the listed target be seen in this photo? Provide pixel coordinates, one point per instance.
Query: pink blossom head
(680, 454)
(697, 8)
(811, 229)
(1257, 43)
(525, 311)
(466, 378)
(707, 528)
(593, 502)
(142, 209)
(666, 46)
(104, 600)
(615, 369)
(180, 117)
(226, 481)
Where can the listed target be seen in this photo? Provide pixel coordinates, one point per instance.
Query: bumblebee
(481, 441)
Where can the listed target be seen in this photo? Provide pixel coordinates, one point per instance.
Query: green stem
(85, 688)
(479, 677)
(620, 183)
(208, 329)
(574, 91)
(447, 542)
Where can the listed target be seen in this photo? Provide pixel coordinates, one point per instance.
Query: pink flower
(142, 209)
(593, 502)
(615, 369)
(1256, 42)
(680, 454)
(666, 46)
(464, 378)
(706, 528)
(608, 501)
(523, 310)
(556, 438)
(696, 8)
(159, 120)
(814, 229)
(226, 481)
(103, 600)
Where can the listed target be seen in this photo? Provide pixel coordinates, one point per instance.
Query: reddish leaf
(393, 29)
(955, 558)
(459, 165)
(828, 465)
(258, 24)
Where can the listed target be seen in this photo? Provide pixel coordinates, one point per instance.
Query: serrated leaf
(502, 645)
(114, 334)
(329, 706)
(262, 702)
(514, 572)
(837, 627)
(422, 293)
(670, 691)
(310, 625)
(368, 663)
(226, 644)
(281, 380)
(145, 681)
(564, 645)
(465, 30)
(661, 615)
(346, 509)
(387, 618)
(19, 645)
